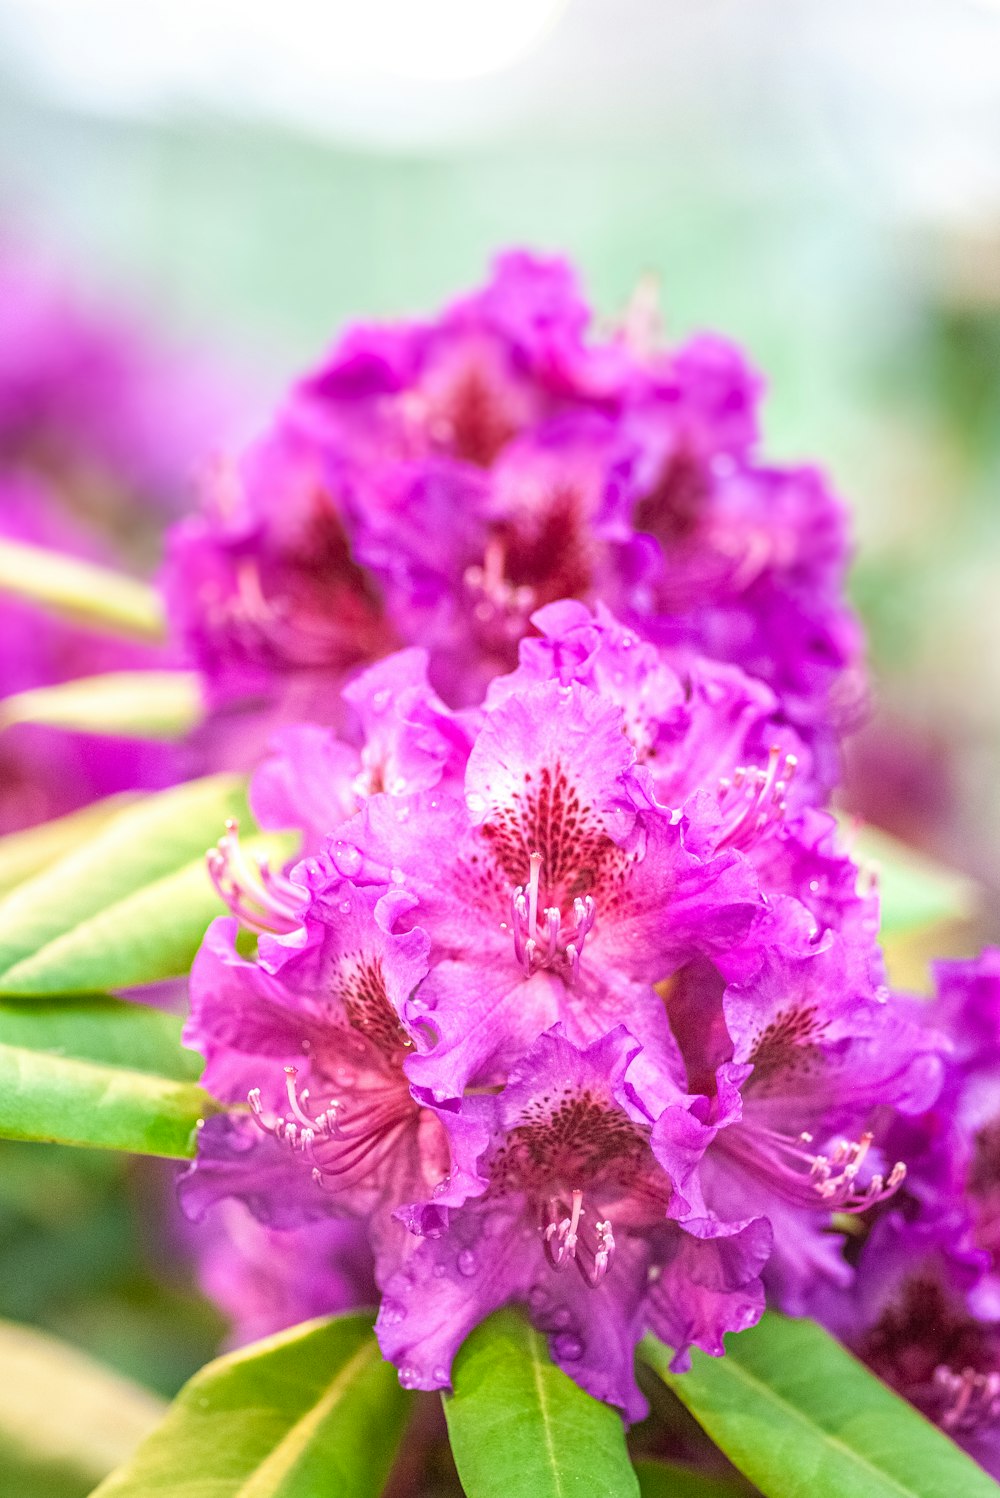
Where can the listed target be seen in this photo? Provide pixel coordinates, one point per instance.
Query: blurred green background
(821, 182)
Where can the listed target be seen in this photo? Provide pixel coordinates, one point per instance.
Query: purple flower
(578, 1222)
(546, 891)
(98, 405)
(438, 482)
(797, 1060)
(265, 1280)
(313, 1036)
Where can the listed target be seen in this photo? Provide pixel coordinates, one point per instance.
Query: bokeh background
(820, 181)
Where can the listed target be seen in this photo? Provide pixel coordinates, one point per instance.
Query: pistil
(567, 1239)
(544, 944)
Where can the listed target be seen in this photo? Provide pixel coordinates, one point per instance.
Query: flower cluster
(572, 1001)
(436, 483)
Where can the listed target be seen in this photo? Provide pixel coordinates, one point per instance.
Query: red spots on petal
(572, 1137)
(788, 1047)
(360, 987)
(548, 817)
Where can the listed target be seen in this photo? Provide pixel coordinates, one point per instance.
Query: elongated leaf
(671, 1480)
(95, 596)
(104, 1030)
(65, 1420)
(129, 907)
(23, 854)
(63, 1100)
(311, 1413)
(803, 1419)
(119, 704)
(520, 1428)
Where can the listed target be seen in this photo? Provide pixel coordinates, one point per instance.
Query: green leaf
(99, 1073)
(671, 1480)
(119, 704)
(914, 891)
(803, 1419)
(520, 1428)
(62, 1100)
(131, 905)
(25, 853)
(94, 596)
(65, 1420)
(311, 1413)
(108, 1031)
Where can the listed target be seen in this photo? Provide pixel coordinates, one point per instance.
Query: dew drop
(408, 1376)
(466, 1262)
(567, 1347)
(475, 803)
(538, 1298)
(440, 1270)
(347, 859)
(814, 885)
(442, 1186)
(403, 813)
(344, 907)
(398, 788)
(392, 1313)
(380, 700)
(440, 1374)
(397, 876)
(562, 1317)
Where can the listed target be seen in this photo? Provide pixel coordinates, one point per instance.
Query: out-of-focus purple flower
(438, 482)
(265, 1280)
(98, 405)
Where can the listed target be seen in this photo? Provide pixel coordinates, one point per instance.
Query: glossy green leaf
(671, 1480)
(118, 704)
(99, 1072)
(108, 1031)
(311, 1413)
(91, 595)
(520, 1428)
(803, 1419)
(66, 1421)
(23, 854)
(131, 905)
(914, 891)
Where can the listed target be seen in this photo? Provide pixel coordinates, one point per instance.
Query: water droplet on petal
(440, 1374)
(475, 803)
(562, 1317)
(392, 1313)
(538, 1298)
(347, 859)
(442, 1186)
(440, 1270)
(466, 1262)
(380, 700)
(397, 876)
(409, 1377)
(567, 1347)
(344, 907)
(403, 813)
